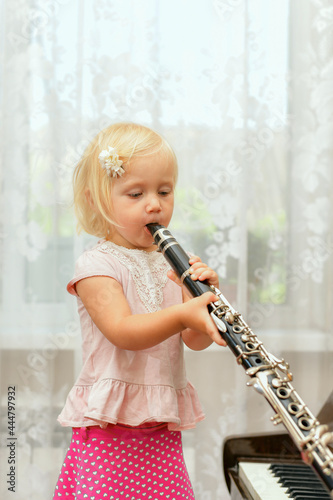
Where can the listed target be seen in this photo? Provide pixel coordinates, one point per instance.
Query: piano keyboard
(281, 481)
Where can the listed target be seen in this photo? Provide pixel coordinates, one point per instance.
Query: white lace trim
(148, 269)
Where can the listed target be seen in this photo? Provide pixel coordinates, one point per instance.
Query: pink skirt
(121, 462)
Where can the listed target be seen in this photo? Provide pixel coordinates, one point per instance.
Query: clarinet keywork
(270, 376)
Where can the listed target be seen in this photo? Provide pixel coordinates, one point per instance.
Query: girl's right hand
(196, 317)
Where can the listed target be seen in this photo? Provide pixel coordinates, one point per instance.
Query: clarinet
(269, 376)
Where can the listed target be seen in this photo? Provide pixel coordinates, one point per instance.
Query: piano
(269, 466)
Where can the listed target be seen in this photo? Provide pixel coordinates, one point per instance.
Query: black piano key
(296, 493)
(302, 496)
(291, 473)
(296, 471)
(303, 491)
(304, 482)
(297, 479)
(295, 468)
(290, 466)
(300, 480)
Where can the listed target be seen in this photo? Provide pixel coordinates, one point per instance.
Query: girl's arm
(107, 306)
(193, 337)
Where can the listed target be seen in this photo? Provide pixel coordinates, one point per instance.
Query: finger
(204, 274)
(208, 297)
(198, 265)
(215, 334)
(212, 329)
(216, 337)
(194, 258)
(197, 269)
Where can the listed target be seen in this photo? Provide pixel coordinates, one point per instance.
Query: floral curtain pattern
(242, 89)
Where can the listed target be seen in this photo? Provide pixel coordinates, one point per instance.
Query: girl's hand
(198, 271)
(199, 328)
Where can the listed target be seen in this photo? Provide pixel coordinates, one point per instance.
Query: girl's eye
(164, 193)
(134, 195)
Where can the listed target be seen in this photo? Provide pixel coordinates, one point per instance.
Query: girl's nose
(153, 204)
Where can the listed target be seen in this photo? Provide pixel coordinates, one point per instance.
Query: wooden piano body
(247, 462)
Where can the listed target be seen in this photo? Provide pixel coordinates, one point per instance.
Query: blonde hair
(91, 184)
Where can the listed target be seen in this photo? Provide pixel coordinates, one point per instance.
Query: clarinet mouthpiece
(153, 227)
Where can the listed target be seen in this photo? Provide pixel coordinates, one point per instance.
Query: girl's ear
(89, 198)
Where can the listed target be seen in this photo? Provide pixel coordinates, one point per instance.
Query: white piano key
(260, 482)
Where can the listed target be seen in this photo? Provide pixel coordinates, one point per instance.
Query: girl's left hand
(198, 271)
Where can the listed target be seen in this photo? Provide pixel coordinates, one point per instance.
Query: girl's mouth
(147, 229)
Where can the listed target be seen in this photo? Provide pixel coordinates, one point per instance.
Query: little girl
(132, 398)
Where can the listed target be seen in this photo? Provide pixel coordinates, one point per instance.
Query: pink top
(119, 385)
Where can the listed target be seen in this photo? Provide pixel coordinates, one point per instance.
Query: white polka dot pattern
(124, 463)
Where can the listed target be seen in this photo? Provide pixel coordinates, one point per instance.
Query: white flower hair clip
(109, 160)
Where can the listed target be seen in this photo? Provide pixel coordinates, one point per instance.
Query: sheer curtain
(243, 90)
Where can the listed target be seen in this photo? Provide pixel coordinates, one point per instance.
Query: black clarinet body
(179, 261)
(270, 376)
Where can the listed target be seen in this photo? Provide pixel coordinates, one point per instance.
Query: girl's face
(144, 194)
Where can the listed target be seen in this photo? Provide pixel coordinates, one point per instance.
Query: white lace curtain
(243, 90)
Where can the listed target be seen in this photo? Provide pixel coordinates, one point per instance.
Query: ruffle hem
(113, 401)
